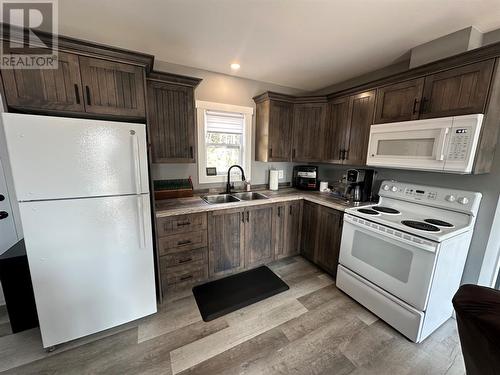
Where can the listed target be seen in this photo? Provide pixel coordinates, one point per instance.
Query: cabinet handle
(184, 223)
(185, 260)
(271, 152)
(183, 242)
(279, 211)
(346, 154)
(293, 154)
(87, 91)
(191, 152)
(248, 216)
(3, 215)
(186, 277)
(415, 102)
(290, 209)
(77, 94)
(340, 154)
(242, 217)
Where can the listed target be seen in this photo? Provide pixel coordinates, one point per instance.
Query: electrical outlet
(280, 174)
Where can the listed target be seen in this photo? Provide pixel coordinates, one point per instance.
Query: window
(224, 139)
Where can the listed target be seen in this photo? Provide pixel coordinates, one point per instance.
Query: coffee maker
(305, 177)
(359, 184)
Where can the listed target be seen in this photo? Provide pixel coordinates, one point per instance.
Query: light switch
(280, 174)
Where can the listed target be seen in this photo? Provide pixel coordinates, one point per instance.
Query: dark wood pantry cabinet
(172, 117)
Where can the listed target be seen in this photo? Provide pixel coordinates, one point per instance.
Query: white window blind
(224, 122)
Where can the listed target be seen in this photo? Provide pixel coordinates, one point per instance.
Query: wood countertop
(183, 206)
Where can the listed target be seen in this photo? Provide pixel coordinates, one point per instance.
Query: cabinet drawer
(181, 224)
(182, 242)
(185, 257)
(180, 276)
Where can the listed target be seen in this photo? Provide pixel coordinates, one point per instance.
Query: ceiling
(304, 44)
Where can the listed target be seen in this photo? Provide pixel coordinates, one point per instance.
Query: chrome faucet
(230, 186)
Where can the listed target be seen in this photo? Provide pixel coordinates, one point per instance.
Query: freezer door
(57, 157)
(91, 263)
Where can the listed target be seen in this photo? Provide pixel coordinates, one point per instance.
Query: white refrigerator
(83, 195)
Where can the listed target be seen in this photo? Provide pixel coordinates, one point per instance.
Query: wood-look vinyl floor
(313, 328)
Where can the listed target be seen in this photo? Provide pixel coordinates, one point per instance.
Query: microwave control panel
(459, 144)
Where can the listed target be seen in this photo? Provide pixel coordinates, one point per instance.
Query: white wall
(222, 88)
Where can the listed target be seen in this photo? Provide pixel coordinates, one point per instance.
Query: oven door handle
(369, 229)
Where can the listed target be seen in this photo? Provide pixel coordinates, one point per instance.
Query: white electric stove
(403, 258)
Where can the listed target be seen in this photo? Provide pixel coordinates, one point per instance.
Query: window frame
(201, 107)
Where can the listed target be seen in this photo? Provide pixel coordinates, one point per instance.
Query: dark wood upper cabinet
(113, 88)
(226, 241)
(329, 236)
(273, 131)
(259, 243)
(309, 121)
(399, 102)
(338, 125)
(458, 91)
(361, 118)
(172, 117)
(46, 89)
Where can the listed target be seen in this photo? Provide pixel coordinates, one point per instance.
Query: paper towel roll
(273, 179)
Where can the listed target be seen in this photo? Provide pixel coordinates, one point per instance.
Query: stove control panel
(458, 200)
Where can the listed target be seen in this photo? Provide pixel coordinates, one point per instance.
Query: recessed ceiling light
(235, 66)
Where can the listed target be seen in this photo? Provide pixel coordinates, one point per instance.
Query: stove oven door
(399, 263)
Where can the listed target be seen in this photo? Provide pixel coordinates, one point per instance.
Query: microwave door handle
(443, 138)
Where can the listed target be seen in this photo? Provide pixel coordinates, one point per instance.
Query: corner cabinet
(172, 117)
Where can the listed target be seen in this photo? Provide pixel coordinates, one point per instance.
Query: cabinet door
(308, 131)
(293, 222)
(329, 236)
(280, 131)
(399, 102)
(259, 244)
(46, 89)
(361, 115)
(310, 213)
(279, 230)
(112, 88)
(171, 122)
(337, 129)
(458, 91)
(226, 241)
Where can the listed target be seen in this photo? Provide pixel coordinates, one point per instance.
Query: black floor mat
(220, 297)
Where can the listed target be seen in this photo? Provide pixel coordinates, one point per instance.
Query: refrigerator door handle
(142, 225)
(137, 162)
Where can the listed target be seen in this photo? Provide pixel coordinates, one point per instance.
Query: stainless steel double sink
(234, 197)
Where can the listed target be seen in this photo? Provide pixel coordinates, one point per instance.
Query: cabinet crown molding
(173, 78)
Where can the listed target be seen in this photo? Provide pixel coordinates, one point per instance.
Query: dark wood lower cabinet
(310, 221)
(259, 244)
(329, 236)
(288, 221)
(226, 241)
(321, 235)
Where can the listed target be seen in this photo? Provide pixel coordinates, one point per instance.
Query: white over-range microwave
(446, 144)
